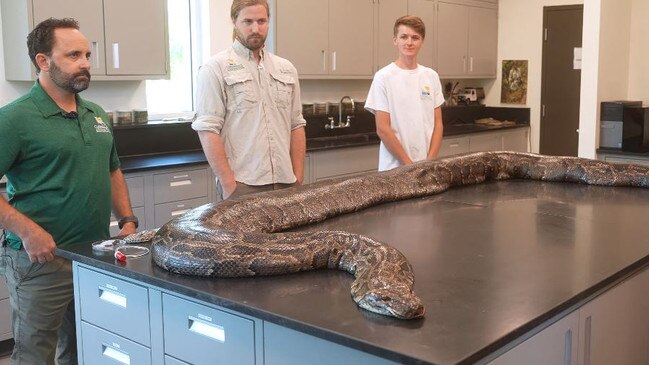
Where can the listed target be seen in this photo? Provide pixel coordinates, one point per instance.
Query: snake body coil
(240, 238)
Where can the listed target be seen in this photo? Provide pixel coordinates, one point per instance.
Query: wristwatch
(127, 219)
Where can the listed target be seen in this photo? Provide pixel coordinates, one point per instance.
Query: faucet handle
(348, 121)
(331, 124)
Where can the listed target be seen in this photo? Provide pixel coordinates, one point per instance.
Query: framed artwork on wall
(514, 82)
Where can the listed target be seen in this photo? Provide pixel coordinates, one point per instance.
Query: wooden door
(136, 37)
(388, 12)
(452, 39)
(425, 9)
(483, 42)
(351, 32)
(302, 31)
(561, 82)
(90, 16)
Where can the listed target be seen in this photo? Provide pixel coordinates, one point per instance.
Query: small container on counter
(140, 116)
(123, 117)
(111, 117)
(320, 108)
(307, 110)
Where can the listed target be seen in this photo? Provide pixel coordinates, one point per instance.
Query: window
(188, 24)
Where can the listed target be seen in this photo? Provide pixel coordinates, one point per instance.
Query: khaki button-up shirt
(254, 107)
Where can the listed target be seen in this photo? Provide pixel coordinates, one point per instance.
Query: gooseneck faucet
(332, 124)
(340, 112)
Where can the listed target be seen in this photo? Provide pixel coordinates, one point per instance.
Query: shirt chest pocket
(240, 91)
(282, 87)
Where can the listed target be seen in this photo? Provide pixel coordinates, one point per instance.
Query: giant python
(244, 237)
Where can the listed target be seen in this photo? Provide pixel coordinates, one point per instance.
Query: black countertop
(619, 152)
(492, 262)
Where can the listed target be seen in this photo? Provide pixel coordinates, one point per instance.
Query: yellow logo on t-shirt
(99, 120)
(425, 91)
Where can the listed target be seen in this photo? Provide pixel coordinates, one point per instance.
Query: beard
(252, 42)
(74, 83)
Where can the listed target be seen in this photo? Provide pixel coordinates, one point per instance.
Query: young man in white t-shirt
(406, 100)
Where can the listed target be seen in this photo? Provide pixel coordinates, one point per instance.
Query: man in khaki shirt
(249, 113)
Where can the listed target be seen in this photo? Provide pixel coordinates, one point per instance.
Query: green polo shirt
(58, 168)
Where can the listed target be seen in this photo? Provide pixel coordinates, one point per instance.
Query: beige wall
(639, 52)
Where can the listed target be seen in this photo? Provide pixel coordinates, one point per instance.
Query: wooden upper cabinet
(388, 12)
(128, 39)
(89, 14)
(467, 40)
(136, 37)
(302, 35)
(426, 10)
(326, 38)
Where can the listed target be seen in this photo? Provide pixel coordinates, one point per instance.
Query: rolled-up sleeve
(297, 120)
(210, 99)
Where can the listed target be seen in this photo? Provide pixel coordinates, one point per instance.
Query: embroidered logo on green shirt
(100, 126)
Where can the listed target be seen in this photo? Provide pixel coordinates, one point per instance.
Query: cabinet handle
(324, 60)
(470, 64)
(117, 355)
(95, 55)
(179, 212)
(454, 145)
(111, 297)
(113, 223)
(180, 183)
(115, 55)
(333, 61)
(567, 348)
(206, 329)
(587, 340)
(181, 176)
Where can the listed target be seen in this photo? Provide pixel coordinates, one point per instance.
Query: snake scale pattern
(245, 237)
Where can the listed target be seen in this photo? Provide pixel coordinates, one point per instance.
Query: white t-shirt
(410, 97)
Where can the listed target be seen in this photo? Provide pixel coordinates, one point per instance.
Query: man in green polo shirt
(63, 175)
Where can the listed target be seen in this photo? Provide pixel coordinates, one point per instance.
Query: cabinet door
(453, 146)
(452, 39)
(516, 140)
(389, 11)
(483, 41)
(136, 37)
(351, 29)
(425, 9)
(614, 327)
(91, 22)
(302, 31)
(555, 345)
(486, 142)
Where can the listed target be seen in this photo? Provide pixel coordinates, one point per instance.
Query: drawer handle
(113, 223)
(210, 330)
(179, 212)
(181, 176)
(119, 356)
(112, 297)
(180, 183)
(454, 145)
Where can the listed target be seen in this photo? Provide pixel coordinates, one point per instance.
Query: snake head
(383, 301)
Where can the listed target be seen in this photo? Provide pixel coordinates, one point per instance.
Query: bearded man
(249, 113)
(63, 175)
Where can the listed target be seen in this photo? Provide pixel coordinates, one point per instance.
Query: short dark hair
(41, 39)
(413, 22)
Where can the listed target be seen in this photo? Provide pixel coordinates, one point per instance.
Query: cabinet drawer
(179, 186)
(453, 146)
(103, 347)
(115, 305)
(345, 161)
(486, 142)
(136, 190)
(164, 212)
(201, 335)
(114, 228)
